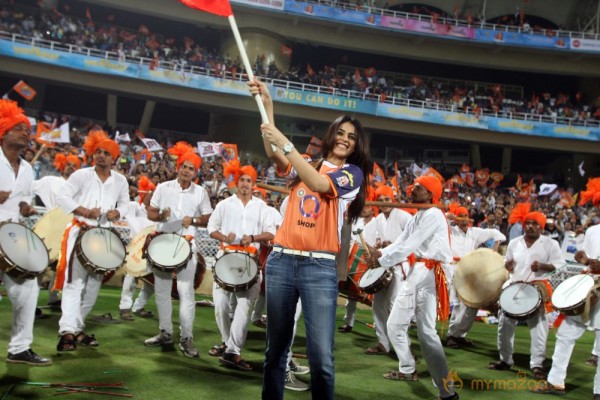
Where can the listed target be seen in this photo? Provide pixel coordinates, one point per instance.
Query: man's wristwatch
(287, 148)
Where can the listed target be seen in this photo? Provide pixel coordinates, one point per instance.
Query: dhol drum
(23, 255)
(521, 300)
(571, 296)
(479, 276)
(235, 271)
(198, 277)
(100, 250)
(356, 269)
(168, 252)
(375, 279)
(51, 227)
(135, 263)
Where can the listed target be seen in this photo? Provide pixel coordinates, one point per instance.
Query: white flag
(60, 134)
(581, 171)
(122, 137)
(547, 188)
(151, 144)
(207, 149)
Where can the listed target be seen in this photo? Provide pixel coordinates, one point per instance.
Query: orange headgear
(385, 190)
(10, 116)
(60, 161)
(592, 193)
(518, 213)
(185, 152)
(145, 185)
(98, 139)
(537, 217)
(233, 168)
(432, 184)
(457, 210)
(262, 191)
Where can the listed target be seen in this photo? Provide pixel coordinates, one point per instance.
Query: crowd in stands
(184, 53)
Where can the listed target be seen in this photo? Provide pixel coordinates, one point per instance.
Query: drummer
(528, 258)
(465, 238)
(91, 195)
(240, 222)
(16, 177)
(179, 206)
(389, 225)
(572, 328)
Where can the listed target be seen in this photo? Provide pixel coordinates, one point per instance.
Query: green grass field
(155, 373)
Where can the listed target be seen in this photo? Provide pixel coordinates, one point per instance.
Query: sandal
(144, 313)
(106, 319)
(86, 340)
(126, 315)
(399, 376)
(548, 388)
(218, 350)
(375, 350)
(66, 343)
(241, 365)
(499, 366)
(538, 373)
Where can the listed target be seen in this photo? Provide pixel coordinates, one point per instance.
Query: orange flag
(378, 177)
(24, 90)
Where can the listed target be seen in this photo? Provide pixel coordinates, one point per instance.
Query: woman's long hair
(360, 157)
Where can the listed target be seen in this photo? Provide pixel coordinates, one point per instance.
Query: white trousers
(461, 320)
(128, 291)
(23, 296)
(596, 349)
(350, 315)
(234, 330)
(79, 295)
(566, 336)
(538, 330)
(259, 308)
(383, 302)
(163, 282)
(421, 303)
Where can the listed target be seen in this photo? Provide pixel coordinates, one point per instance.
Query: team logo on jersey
(309, 206)
(345, 179)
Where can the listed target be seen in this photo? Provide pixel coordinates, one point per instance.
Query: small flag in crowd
(152, 145)
(581, 171)
(57, 135)
(209, 149)
(122, 137)
(218, 7)
(229, 152)
(24, 90)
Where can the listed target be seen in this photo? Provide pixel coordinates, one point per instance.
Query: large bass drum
(23, 254)
(479, 276)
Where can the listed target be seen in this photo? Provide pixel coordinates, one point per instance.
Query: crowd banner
(293, 96)
(521, 39)
(272, 4)
(338, 14)
(585, 44)
(427, 27)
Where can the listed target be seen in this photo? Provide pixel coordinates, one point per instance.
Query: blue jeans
(314, 281)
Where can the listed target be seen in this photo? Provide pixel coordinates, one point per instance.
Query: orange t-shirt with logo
(313, 221)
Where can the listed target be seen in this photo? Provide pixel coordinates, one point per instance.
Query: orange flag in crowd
(218, 7)
(378, 176)
(24, 90)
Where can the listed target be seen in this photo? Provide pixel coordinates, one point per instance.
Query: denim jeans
(314, 281)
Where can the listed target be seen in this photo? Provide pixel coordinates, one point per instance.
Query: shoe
(547, 388)
(40, 315)
(159, 340)
(55, 305)
(596, 396)
(260, 323)
(187, 346)
(399, 376)
(593, 361)
(291, 383)
(298, 369)
(144, 313)
(455, 342)
(345, 328)
(28, 357)
(126, 315)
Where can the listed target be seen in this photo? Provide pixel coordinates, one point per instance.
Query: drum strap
(251, 250)
(61, 268)
(441, 288)
(585, 316)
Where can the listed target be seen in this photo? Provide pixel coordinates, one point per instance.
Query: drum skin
(51, 228)
(198, 277)
(235, 271)
(168, 252)
(376, 279)
(479, 276)
(521, 300)
(100, 250)
(23, 254)
(570, 296)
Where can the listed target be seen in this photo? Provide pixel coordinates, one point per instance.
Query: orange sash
(251, 250)
(443, 303)
(61, 268)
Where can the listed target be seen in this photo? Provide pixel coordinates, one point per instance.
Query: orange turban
(98, 139)
(592, 192)
(385, 190)
(432, 184)
(537, 217)
(457, 210)
(262, 191)
(518, 213)
(60, 160)
(145, 185)
(185, 152)
(10, 116)
(233, 168)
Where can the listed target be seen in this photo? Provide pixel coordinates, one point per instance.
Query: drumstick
(178, 241)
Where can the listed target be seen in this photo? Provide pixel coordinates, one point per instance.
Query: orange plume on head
(592, 192)
(98, 139)
(385, 190)
(11, 115)
(183, 151)
(537, 216)
(60, 160)
(433, 185)
(518, 213)
(262, 191)
(145, 185)
(233, 168)
(457, 209)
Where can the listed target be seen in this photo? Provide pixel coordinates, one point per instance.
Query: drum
(23, 254)
(375, 279)
(100, 250)
(198, 277)
(135, 264)
(479, 276)
(521, 300)
(356, 269)
(168, 252)
(571, 295)
(235, 271)
(51, 227)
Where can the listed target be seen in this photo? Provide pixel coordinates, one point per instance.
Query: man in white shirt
(463, 240)
(91, 194)
(422, 289)
(240, 222)
(16, 176)
(180, 206)
(528, 258)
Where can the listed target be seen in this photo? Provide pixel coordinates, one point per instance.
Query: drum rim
(168, 268)
(581, 301)
(231, 287)
(85, 262)
(530, 312)
(14, 267)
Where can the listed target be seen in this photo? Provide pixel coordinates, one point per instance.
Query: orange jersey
(313, 221)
